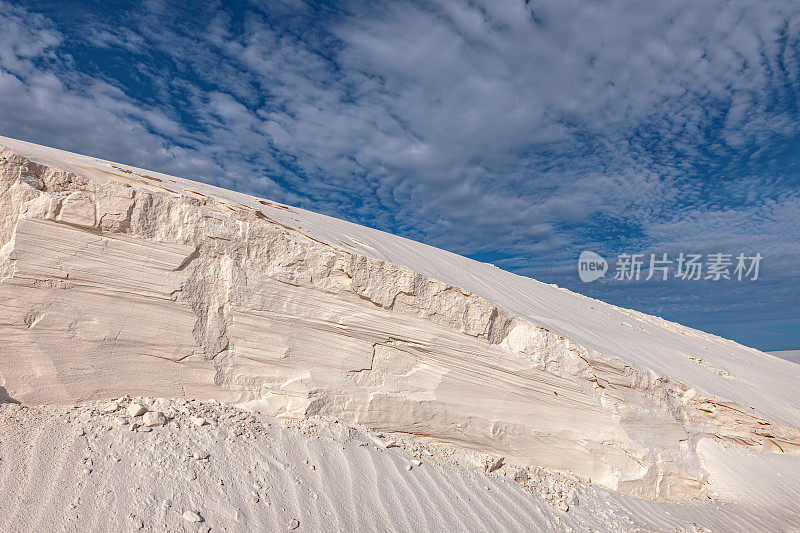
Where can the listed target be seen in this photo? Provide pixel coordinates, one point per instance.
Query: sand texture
(120, 281)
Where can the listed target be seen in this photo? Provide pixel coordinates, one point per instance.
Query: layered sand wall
(126, 286)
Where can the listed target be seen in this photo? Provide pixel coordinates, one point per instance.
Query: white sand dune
(81, 468)
(789, 355)
(117, 280)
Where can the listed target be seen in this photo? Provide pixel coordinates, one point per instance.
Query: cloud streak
(514, 132)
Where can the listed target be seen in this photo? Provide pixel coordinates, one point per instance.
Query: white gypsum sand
(789, 355)
(117, 280)
(82, 468)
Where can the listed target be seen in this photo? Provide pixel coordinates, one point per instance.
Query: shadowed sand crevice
(5, 398)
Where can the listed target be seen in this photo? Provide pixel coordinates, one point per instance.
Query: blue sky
(518, 133)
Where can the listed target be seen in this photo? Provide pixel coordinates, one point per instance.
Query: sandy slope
(116, 280)
(81, 468)
(789, 355)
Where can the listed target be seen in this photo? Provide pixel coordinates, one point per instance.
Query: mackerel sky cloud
(518, 133)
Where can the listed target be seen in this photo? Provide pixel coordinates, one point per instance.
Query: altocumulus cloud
(518, 133)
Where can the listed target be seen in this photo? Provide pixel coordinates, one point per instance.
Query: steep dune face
(121, 281)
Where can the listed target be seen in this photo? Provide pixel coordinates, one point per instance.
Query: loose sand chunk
(191, 516)
(136, 409)
(154, 418)
(572, 497)
(495, 465)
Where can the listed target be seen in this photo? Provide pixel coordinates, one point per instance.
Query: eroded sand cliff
(116, 280)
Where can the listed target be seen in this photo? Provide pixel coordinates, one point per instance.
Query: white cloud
(498, 126)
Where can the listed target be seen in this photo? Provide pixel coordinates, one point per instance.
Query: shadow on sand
(5, 398)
